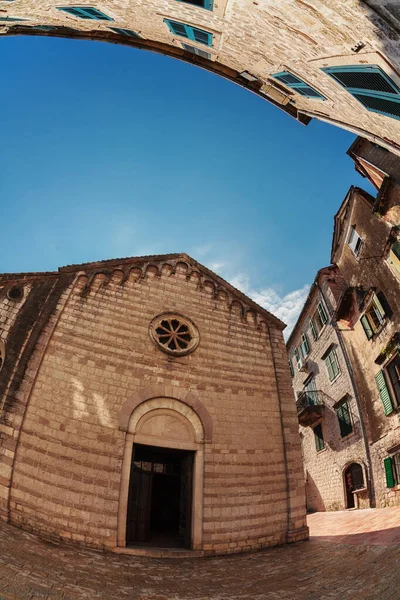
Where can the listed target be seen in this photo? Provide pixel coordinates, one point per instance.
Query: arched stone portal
(156, 424)
(334, 61)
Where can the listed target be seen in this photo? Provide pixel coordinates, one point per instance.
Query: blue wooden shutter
(389, 472)
(384, 393)
(298, 85)
(371, 86)
(367, 327)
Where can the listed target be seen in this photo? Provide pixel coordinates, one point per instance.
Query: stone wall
(95, 353)
(324, 469)
(371, 270)
(261, 38)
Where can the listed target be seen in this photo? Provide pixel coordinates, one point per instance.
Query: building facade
(346, 375)
(331, 427)
(333, 60)
(146, 403)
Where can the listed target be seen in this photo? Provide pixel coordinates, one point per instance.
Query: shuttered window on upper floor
(297, 85)
(371, 86)
(191, 33)
(197, 51)
(126, 32)
(86, 12)
(207, 4)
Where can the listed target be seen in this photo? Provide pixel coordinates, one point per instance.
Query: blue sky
(108, 151)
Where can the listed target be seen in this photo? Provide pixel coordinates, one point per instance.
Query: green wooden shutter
(291, 367)
(313, 330)
(380, 313)
(384, 393)
(367, 327)
(343, 415)
(322, 313)
(389, 472)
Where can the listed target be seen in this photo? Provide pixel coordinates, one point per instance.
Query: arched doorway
(353, 480)
(161, 493)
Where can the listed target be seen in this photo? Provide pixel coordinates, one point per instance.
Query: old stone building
(146, 403)
(333, 60)
(366, 251)
(359, 296)
(331, 427)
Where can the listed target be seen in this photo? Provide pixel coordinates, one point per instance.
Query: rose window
(174, 333)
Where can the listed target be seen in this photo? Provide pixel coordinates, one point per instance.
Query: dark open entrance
(160, 497)
(354, 480)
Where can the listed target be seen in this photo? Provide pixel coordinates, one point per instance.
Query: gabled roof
(313, 288)
(343, 214)
(107, 266)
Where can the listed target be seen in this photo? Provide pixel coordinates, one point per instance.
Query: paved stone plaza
(352, 554)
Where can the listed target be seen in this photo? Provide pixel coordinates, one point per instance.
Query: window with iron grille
(373, 318)
(319, 438)
(207, 4)
(354, 241)
(371, 86)
(196, 51)
(297, 85)
(189, 32)
(332, 364)
(86, 12)
(126, 32)
(344, 418)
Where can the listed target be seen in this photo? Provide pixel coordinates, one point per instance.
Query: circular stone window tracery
(174, 334)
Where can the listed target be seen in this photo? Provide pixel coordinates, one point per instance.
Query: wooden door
(185, 501)
(139, 505)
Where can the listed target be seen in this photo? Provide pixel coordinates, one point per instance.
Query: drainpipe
(358, 403)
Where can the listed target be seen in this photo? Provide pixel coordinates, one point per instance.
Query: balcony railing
(310, 407)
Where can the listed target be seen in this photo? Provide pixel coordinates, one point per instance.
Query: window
(208, 4)
(354, 241)
(291, 367)
(85, 12)
(197, 51)
(189, 32)
(343, 415)
(174, 334)
(319, 438)
(332, 365)
(370, 85)
(388, 384)
(310, 391)
(394, 256)
(298, 359)
(374, 318)
(127, 32)
(392, 470)
(299, 86)
(318, 320)
(304, 346)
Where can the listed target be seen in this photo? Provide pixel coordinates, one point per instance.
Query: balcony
(310, 407)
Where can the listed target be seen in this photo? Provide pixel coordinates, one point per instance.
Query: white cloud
(287, 307)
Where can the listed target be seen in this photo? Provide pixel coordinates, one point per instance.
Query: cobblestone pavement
(325, 568)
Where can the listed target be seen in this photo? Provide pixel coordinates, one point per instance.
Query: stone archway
(289, 52)
(156, 421)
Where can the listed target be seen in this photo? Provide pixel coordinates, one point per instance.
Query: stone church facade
(146, 403)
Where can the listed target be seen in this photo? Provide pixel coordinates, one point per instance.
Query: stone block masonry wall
(68, 465)
(262, 38)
